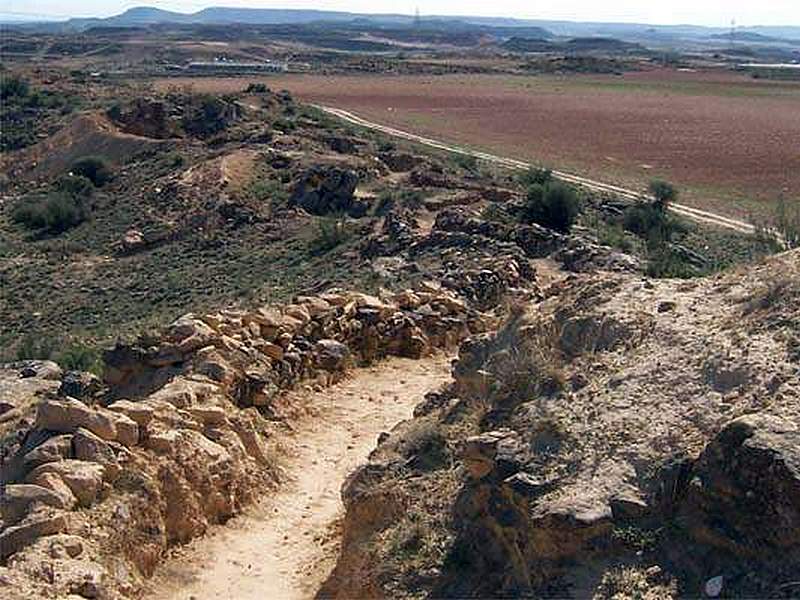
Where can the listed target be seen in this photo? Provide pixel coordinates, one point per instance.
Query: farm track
(690, 212)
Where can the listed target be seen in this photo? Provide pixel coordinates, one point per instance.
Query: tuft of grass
(76, 356)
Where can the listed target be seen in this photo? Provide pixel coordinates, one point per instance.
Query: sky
(666, 12)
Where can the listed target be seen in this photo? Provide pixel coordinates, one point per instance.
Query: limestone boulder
(17, 499)
(46, 521)
(83, 478)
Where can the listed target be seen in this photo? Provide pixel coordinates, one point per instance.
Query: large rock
(84, 479)
(87, 446)
(331, 355)
(56, 448)
(744, 495)
(139, 412)
(67, 415)
(17, 499)
(36, 525)
(325, 189)
(80, 384)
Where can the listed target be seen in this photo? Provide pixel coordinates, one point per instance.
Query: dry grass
(628, 583)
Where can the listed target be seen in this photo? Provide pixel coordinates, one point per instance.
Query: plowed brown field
(726, 139)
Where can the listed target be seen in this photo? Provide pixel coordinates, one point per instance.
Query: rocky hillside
(100, 478)
(623, 437)
(609, 430)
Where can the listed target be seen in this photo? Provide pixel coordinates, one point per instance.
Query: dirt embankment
(287, 545)
(100, 481)
(625, 438)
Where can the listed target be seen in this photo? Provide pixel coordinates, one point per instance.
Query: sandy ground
(286, 546)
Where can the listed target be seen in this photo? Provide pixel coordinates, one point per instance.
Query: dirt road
(285, 547)
(687, 211)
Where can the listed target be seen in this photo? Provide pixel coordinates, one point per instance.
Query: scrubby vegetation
(64, 206)
(70, 356)
(330, 233)
(205, 115)
(536, 176)
(94, 168)
(552, 204)
(25, 109)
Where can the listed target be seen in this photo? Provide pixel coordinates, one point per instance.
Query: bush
(663, 192)
(75, 357)
(553, 205)
(651, 222)
(204, 115)
(330, 233)
(79, 357)
(466, 162)
(93, 168)
(256, 88)
(55, 212)
(76, 186)
(64, 207)
(285, 125)
(663, 262)
(536, 176)
(13, 87)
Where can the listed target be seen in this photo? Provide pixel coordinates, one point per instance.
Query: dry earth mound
(624, 437)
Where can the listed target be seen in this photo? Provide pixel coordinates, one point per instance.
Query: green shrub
(80, 357)
(388, 200)
(663, 192)
(466, 162)
(285, 125)
(93, 168)
(35, 348)
(534, 176)
(256, 88)
(13, 87)
(651, 222)
(330, 233)
(663, 262)
(204, 115)
(76, 356)
(56, 212)
(76, 186)
(553, 205)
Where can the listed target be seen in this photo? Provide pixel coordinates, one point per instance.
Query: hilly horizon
(215, 15)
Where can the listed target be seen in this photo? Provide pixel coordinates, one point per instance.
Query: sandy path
(285, 547)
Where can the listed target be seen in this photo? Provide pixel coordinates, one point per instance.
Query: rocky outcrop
(743, 498)
(623, 437)
(328, 190)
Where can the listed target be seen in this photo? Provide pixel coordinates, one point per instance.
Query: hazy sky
(697, 12)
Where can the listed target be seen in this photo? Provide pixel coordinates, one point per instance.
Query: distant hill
(583, 44)
(745, 36)
(638, 32)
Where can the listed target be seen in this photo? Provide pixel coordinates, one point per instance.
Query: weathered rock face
(744, 494)
(325, 190)
(661, 455)
(146, 117)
